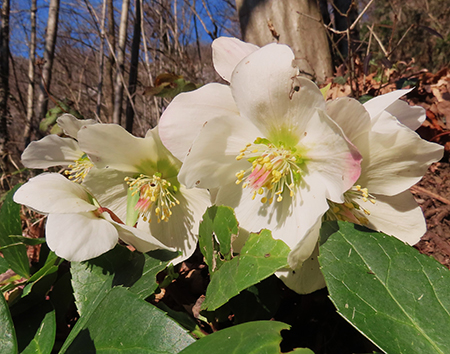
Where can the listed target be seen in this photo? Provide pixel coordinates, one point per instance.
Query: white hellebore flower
(77, 227)
(265, 142)
(53, 150)
(394, 159)
(142, 174)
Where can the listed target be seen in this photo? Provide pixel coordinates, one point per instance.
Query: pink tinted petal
(227, 53)
(50, 151)
(267, 91)
(184, 117)
(333, 163)
(53, 193)
(79, 237)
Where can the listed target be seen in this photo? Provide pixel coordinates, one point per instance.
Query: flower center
(350, 210)
(78, 171)
(155, 193)
(274, 169)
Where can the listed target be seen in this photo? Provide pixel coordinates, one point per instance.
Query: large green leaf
(119, 266)
(216, 229)
(124, 323)
(260, 337)
(10, 224)
(260, 257)
(394, 295)
(8, 342)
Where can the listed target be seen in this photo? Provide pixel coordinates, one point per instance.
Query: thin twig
(418, 189)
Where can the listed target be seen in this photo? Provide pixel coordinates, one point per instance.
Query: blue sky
(20, 20)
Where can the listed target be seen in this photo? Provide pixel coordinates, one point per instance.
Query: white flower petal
(350, 115)
(110, 145)
(333, 163)
(109, 188)
(50, 151)
(305, 279)
(378, 104)
(53, 193)
(212, 159)
(79, 237)
(227, 53)
(397, 215)
(71, 125)
(289, 220)
(184, 117)
(268, 91)
(411, 116)
(180, 231)
(139, 239)
(394, 162)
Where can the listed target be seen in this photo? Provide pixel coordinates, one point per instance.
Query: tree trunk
(109, 77)
(292, 22)
(132, 80)
(4, 76)
(32, 56)
(118, 86)
(101, 63)
(49, 53)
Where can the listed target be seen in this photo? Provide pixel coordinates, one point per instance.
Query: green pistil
(155, 194)
(274, 169)
(78, 171)
(350, 210)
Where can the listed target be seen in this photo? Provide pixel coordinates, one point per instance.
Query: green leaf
(119, 266)
(260, 257)
(8, 342)
(220, 222)
(390, 292)
(124, 323)
(50, 267)
(44, 334)
(10, 224)
(27, 240)
(4, 265)
(247, 338)
(155, 262)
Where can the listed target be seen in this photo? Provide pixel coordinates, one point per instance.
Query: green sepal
(132, 214)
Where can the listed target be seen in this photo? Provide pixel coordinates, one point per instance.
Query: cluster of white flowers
(267, 144)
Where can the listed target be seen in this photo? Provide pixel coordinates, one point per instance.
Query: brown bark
(4, 74)
(110, 62)
(132, 80)
(32, 56)
(49, 53)
(118, 85)
(292, 22)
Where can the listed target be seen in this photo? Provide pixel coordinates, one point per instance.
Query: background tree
(296, 23)
(49, 52)
(4, 77)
